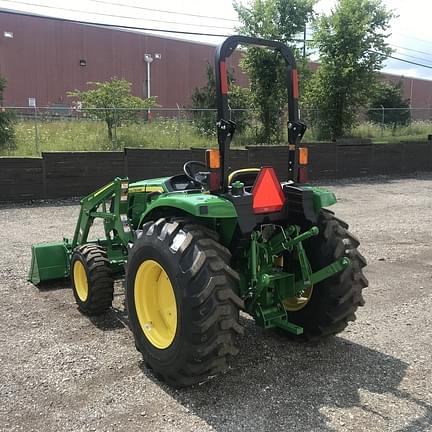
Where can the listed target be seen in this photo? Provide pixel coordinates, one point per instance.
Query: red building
(45, 58)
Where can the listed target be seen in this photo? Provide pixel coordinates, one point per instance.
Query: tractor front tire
(92, 281)
(182, 303)
(333, 301)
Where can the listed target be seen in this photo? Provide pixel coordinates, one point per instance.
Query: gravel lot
(61, 371)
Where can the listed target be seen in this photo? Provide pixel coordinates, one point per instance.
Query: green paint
(321, 197)
(264, 284)
(200, 205)
(49, 261)
(136, 186)
(52, 260)
(326, 272)
(194, 204)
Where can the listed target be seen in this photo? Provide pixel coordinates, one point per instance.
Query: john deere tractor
(199, 247)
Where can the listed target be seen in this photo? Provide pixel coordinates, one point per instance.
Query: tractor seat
(246, 175)
(180, 182)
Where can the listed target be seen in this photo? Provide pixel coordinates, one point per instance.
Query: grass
(416, 130)
(88, 135)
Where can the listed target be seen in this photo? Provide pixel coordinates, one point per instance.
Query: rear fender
(197, 204)
(216, 212)
(322, 198)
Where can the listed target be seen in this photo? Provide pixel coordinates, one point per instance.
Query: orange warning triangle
(267, 194)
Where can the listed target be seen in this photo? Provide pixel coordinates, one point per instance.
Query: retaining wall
(68, 174)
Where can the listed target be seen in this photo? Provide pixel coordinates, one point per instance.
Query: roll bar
(225, 127)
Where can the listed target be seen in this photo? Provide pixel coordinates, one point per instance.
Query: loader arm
(51, 261)
(116, 225)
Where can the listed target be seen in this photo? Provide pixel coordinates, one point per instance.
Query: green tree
(205, 97)
(389, 95)
(352, 47)
(112, 102)
(7, 122)
(279, 20)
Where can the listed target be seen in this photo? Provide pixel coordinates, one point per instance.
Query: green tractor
(199, 247)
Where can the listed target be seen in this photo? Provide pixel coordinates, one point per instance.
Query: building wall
(418, 92)
(42, 60)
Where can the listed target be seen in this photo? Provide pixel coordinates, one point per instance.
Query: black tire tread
(211, 297)
(335, 300)
(100, 280)
(343, 291)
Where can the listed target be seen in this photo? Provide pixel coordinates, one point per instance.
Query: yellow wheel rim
(155, 304)
(294, 304)
(80, 280)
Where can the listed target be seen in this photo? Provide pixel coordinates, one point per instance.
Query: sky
(411, 35)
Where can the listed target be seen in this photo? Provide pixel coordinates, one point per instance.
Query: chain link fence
(382, 115)
(64, 128)
(70, 128)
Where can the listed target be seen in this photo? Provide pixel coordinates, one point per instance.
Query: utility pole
(304, 41)
(148, 58)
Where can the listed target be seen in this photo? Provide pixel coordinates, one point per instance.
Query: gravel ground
(61, 371)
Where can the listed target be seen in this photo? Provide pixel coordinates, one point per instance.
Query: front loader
(199, 247)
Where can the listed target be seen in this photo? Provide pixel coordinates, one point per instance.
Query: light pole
(148, 58)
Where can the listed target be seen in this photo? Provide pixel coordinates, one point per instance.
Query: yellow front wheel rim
(294, 304)
(80, 280)
(155, 304)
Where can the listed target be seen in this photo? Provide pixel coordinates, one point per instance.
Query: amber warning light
(303, 156)
(213, 158)
(267, 194)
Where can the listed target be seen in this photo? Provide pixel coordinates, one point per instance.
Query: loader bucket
(49, 261)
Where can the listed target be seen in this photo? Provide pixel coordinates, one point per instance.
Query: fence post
(114, 141)
(178, 125)
(44, 178)
(36, 130)
(382, 120)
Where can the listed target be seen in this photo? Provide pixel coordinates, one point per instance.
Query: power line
(398, 52)
(400, 59)
(114, 26)
(164, 11)
(408, 61)
(413, 50)
(117, 26)
(116, 16)
(414, 37)
(414, 57)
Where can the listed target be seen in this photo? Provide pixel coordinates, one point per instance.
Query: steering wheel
(193, 172)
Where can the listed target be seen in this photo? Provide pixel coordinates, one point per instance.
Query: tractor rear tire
(92, 281)
(182, 303)
(333, 301)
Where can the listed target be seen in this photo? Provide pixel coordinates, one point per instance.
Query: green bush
(204, 98)
(389, 96)
(7, 123)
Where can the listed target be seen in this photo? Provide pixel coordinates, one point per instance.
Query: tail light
(213, 164)
(213, 158)
(303, 156)
(303, 159)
